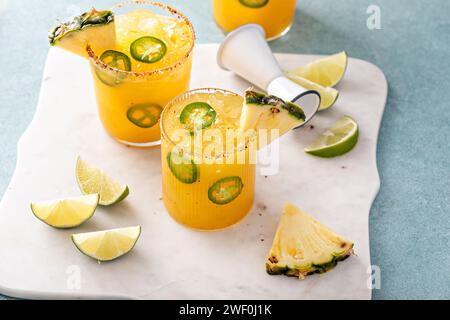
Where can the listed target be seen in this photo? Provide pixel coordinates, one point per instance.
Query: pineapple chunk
(94, 28)
(263, 112)
(303, 246)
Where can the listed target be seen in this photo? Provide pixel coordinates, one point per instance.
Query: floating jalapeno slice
(254, 3)
(197, 115)
(182, 166)
(225, 190)
(114, 59)
(144, 115)
(148, 49)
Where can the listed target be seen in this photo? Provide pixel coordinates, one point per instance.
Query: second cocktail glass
(211, 187)
(149, 66)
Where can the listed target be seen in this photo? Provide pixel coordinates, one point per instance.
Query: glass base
(140, 145)
(283, 33)
(209, 229)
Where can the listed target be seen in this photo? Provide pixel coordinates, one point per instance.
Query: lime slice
(254, 3)
(107, 245)
(148, 49)
(225, 190)
(339, 139)
(197, 116)
(66, 213)
(144, 115)
(328, 96)
(93, 180)
(326, 72)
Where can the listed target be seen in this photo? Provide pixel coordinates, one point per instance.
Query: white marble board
(171, 261)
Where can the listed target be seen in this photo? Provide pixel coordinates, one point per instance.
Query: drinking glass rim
(96, 60)
(182, 97)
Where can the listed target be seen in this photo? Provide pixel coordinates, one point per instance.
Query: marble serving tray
(171, 261)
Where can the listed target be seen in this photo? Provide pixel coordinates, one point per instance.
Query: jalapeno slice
(144, 115)
(114, 59)
(197, 115)
(254, 3)
(182, 167)
(225, 190)
(148, 49)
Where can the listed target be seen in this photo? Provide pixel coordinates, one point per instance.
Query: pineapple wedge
(264, 112)
(303, 246)
(94, 28)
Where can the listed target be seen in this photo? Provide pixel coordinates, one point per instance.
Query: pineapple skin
(276, 270)
(93, 28)
(87, 19)
(267, 112)
(292, 268)
(257, 98)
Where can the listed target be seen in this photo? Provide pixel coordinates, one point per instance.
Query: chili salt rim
(95, 59)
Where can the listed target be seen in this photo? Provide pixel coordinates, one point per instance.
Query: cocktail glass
(131, 93)
(275, 16)
(206, 188)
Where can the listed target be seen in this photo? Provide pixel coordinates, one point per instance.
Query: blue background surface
(409, 223)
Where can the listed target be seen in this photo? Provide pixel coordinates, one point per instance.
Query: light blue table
(410, 220)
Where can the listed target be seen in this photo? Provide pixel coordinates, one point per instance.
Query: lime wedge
(66, 213)
(326, 72)
(339, 139)
(328, 96)
(93, 180)
(107, 245)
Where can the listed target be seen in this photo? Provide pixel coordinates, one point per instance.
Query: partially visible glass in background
(275, 16)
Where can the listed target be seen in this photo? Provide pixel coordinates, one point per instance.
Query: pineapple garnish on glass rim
(95, 28)
(303, 246)
(267, 112)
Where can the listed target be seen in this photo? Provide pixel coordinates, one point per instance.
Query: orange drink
(212, 188)
(149, 65)
(275, 16)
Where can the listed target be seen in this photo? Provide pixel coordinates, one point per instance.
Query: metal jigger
(246, 52)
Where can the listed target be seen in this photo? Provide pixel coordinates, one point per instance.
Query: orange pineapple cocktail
(149, 66)
(207, 188)
(141, 57)
(275, 16)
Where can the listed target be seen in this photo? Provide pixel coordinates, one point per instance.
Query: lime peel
(338, 140)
